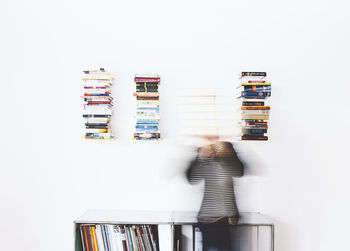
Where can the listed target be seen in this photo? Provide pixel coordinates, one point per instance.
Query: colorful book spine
(253, 92)
(147, 109)
(98, 104)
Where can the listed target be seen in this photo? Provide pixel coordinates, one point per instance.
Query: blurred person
(216, 164)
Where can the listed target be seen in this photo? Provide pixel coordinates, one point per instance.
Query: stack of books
(253, 91)
(98, 104)
(105, 237)
(147, 110)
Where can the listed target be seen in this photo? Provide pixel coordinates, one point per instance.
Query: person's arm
(238, 168)
(193, 172)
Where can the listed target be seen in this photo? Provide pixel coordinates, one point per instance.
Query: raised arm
(196, 169)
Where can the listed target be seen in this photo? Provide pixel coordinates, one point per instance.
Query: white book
(148, 117)
(97, 120)
(187, 237)
(90, 77)
(99, 237)
(96, 130)
(148, 114)
(198, 241)
(255, 112)
(98, 90)
(146, 75)
(119, 239)
(147, 102)
(99, 109)
(113, 238)
(147, 105)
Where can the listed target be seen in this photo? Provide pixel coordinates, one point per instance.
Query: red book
(255, 107)
(256, 81)
(99, 102)
(254, 138)
(263, 124)
(147, 80)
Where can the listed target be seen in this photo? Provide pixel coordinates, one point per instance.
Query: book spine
(255, 107)
(254, 137)
(133, 238)
(127, 229)
(140, 239)
(255, 112)
(89, 238)
(255, 117)
(253, 74)
(104, 237)
(152, 238)
(109, 237)
(99, 102)
(256, 81)
(255, 88)
(93, 228)
(250, 103)
(83, 237)
(148, 240)
(254, 131)
(255, 94)
(123, 238)
(146, 80)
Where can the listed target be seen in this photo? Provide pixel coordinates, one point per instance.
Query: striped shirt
(219, 198)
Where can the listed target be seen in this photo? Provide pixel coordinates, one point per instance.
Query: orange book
(255, 107)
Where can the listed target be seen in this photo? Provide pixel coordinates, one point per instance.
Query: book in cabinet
(176, 230)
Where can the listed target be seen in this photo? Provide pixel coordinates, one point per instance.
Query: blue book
(258, 88)
(146, 128)
(255, 94)
(148, 109)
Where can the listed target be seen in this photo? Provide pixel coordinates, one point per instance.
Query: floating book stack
(253, 91)
(105, 237)
(147, 110)
(98, 104)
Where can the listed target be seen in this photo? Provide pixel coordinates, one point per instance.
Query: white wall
(49, 176)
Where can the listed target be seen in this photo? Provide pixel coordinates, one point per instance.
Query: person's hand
(223, 149)
(206, 151)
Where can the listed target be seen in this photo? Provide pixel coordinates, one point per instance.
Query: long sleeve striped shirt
(219, 198)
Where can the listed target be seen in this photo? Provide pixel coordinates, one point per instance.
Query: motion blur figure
(216, 164)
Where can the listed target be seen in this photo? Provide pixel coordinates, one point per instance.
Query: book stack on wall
(253, 91)
(106, 237)
(98, 104)
(147, 110)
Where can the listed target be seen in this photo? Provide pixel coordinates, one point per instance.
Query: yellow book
(94, 237)
(262, 117)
